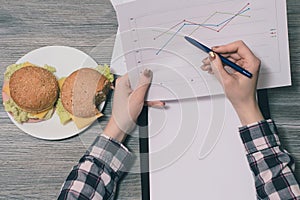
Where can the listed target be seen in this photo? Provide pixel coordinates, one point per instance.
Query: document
(118, 64)
(195, 152)
(152, 36)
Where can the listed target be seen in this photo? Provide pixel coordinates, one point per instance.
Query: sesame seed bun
(33, 89)
(83, 91)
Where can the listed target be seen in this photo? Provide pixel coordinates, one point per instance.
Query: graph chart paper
(152, 37)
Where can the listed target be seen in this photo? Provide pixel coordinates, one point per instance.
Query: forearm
(112, 130)
(248, 112)
(272, 166)
(98, 171)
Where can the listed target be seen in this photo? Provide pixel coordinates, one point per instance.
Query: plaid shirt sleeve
(98, 171)
(272, 166)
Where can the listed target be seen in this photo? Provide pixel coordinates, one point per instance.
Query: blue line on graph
(225, 22)
(217, 25)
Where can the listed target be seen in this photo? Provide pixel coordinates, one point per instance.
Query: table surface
(31, 168)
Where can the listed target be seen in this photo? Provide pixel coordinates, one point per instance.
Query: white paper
(118, 2)
(178, 166)
(145, 32)
(118, 64)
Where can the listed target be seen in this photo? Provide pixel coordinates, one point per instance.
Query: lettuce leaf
(105, 71)
(14, 67)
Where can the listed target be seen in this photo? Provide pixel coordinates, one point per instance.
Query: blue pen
(223, 59)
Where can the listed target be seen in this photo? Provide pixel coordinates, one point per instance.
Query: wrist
(112, 130)
(249, 113)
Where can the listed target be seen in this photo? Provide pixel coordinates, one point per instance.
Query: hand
(127, 105)
(239, 89)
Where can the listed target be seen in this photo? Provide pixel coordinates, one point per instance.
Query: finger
(206, 67)
(236, 61)
(234, 47)
(123, 80)
(229, 70)
(206, 61)
(206, 64)
(240, 62)
(210, 72)
(232, 60)
(155, 104)
(228, 48)
(233, 56)
(123, 84)
(144, 82)
(217, 67)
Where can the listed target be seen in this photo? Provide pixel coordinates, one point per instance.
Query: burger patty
(83, 91)
(33, 89)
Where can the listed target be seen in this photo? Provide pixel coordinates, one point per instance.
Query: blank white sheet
(180, 167)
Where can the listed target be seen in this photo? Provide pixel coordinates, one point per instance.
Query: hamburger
(82, 92)
(30, 92)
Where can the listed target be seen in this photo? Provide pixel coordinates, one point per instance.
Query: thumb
(144, 82)
(217, 67)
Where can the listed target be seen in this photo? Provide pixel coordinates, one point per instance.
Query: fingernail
(147, 73)
(212, 55)
(205, 67)
(159, 105)
(211, 72)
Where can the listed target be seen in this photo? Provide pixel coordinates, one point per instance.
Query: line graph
(216, 27)
(146, 27)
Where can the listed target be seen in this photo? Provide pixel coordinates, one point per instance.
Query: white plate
(65, 60)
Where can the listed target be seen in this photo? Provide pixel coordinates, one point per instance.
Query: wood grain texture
(284, 102)
(35, 169)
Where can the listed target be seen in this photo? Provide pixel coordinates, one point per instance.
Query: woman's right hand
(239, 89)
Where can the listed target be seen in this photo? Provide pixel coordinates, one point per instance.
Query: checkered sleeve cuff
(259, 136)
(111, 153)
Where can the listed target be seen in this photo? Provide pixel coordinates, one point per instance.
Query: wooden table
(31, 168)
